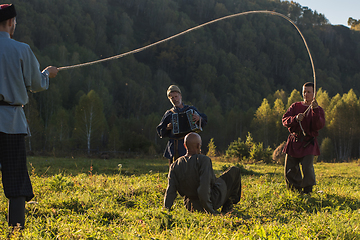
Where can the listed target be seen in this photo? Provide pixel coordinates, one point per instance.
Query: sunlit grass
(96, 199)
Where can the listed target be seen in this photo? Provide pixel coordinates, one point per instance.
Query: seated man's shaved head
(192, 143)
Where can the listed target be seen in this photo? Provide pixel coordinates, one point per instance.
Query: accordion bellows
(183, 124)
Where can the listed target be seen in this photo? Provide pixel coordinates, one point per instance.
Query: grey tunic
(19, 72)
(194, 178)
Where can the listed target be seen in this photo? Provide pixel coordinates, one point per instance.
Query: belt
(3, 103)
(310, 141)
(298, 136)
(297, 133)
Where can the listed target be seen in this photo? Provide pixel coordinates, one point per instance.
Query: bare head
(192, 143)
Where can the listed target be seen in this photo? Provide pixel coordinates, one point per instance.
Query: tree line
(339, 140)
(225, 69)
(354, 24)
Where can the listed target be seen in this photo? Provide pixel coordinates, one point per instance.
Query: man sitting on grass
(192, 176)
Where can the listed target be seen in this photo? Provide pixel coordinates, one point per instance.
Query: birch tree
(263, 121)
(342, 118)
(90, 122)
(279, 132)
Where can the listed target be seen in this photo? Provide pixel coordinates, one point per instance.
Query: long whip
(200, 26)
(197, 27)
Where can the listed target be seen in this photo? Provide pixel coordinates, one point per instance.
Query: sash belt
(3, 103)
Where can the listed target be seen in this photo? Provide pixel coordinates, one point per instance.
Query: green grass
(95, 199)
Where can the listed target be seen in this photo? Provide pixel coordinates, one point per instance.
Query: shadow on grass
(317, 202)
(336, 202)
(47, 166)
(243, 170)
(288, 205)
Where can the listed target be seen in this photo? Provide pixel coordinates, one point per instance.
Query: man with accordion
(177, 122)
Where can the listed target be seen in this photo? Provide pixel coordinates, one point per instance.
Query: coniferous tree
(35, 142)
(58, 131)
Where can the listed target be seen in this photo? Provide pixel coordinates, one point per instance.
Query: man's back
(186, 173)
(193, 177)
(19, 72)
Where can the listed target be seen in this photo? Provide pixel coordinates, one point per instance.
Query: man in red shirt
(302, 145)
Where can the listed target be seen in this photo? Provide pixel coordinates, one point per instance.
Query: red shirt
(297, 144)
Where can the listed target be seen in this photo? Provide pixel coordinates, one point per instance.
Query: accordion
(183, 124)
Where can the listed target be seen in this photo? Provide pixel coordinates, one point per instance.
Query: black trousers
(15, 176)
(232, 178)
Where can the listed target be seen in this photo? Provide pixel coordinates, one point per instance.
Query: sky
(336, 11)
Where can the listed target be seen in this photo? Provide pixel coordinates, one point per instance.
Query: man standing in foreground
(19, 72)
(302, 145)
(175, 146)
(193, 177)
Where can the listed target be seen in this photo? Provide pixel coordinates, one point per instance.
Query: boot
(16, 212)
(227, 207)
(308, 189)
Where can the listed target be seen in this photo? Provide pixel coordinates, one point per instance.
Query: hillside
(225, 69)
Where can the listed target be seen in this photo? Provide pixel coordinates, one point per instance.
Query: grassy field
(122, 199)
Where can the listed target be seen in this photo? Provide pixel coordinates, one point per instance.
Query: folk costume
(300, 148)
(193, 177)
(19, 72)
(175, 146)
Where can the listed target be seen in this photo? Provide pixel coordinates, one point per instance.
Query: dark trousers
(15, 177)
(176, 152)
(232, 178)
(16, 212)
(297, 178)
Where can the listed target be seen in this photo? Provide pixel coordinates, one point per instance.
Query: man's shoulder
(22, 44)
(12, 43)
(204, 157)
(185, 159)
(201, 159)
(320, 108)
(169, 112)
(296, 104)
(185, 165)
(190, 107)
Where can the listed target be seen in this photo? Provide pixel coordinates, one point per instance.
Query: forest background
(242, 72)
